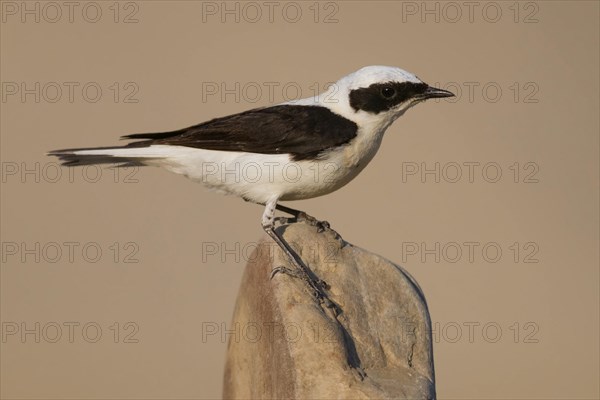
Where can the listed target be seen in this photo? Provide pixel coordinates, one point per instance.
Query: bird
(296, 150)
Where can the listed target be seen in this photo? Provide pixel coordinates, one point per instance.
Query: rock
(287, 345)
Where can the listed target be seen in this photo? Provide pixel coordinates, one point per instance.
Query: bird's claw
(323, 299)
(284, 270)
(323, 284)
(322, 226)
(304, 217)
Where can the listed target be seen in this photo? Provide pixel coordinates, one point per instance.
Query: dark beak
(432, 93)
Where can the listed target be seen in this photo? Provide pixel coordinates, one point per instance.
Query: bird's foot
(301, 216)
(312, 221)
(322, 226)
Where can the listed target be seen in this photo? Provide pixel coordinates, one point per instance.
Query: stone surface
(286, 345)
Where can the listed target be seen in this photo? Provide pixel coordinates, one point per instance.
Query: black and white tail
(133, 154)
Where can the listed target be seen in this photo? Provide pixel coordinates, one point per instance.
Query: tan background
(177, 288)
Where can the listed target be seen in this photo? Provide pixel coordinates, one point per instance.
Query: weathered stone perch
(288, 347)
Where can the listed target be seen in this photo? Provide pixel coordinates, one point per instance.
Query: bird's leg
(302, 216)
(302, 271)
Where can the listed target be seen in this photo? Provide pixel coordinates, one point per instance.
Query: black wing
(303, 131)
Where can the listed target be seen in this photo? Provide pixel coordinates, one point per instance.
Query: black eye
(388, 92)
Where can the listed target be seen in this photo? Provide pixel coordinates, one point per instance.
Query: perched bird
(291, 151)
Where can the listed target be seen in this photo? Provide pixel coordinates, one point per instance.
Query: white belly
(260, 177)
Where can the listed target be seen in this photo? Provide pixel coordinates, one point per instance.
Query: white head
(375, 96)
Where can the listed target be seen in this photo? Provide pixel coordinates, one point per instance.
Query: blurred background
(120, 284)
